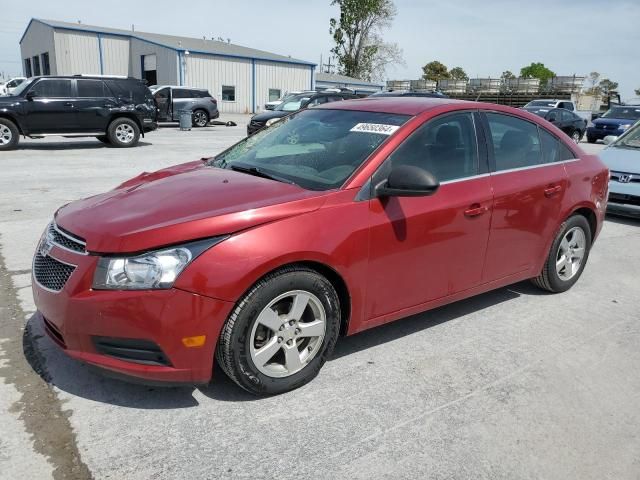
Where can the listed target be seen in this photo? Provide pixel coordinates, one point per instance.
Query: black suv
(114, 110)
(293, 104)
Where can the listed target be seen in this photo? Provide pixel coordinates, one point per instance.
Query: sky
(483, 37)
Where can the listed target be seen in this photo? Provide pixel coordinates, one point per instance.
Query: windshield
(624, 113)
(630, 139)
(20, 88)
(541, 103)
(315, 149)
(293, 103)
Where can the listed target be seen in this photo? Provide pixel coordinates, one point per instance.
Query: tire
(576, 136)
(9, 134)
(123, 133)
(591, 139)
(556, 276)
(200, 118)
(246, 341)
(104, 139)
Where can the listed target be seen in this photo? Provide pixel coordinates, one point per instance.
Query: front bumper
(600, 133)
(624, 198)
(149, 126)
(77, 316)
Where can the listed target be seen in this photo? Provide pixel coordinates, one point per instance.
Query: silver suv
(173, 99)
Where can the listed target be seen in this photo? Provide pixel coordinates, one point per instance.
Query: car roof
(402, 105)
(158, 87)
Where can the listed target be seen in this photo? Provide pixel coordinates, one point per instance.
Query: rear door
(528, 188)
(182, 99)
(52, 109)
(94, 102)
(424, 248)
(163, 101)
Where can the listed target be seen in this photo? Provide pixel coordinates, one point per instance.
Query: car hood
(613, 121)
(264, 116)
(619, 159)
(179, 204)
(9, 99)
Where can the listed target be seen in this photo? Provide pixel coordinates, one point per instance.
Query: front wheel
(568, 256)
(9, 134)
(281, 333)
(576, 136)
(123, 132)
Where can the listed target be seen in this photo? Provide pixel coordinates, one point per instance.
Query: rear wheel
(568, 256)
(200, 118)
(9, 134)
(281, 332)
(123, 132)
(591, 139)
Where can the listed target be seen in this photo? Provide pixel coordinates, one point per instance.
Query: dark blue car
(615, 121)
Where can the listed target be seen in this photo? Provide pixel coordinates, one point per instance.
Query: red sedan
(333, 220)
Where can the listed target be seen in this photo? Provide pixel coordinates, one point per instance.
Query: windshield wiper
(258, 172)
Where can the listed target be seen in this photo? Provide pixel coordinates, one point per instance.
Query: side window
(27, 68)
(228, 93)
(162, 95)
(515, 142)
(35, 61)
(92, 89)
(445, 146)
(317, 101)
(567, 116)
(54, 88)
(553, 150)
(182, 93)
(46, 67)
(334, 99)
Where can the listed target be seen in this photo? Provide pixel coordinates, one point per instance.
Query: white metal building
(241, 78)
(330, 80)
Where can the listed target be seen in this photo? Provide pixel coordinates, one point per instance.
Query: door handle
(552, 190)
(475, 210)
(68, 104)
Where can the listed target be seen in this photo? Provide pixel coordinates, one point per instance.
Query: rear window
(132, 91)
(92, 88)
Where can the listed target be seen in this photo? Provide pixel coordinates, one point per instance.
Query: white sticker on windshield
(375, 128)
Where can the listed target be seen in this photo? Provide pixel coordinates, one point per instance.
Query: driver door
(52, 109)
(424, 248)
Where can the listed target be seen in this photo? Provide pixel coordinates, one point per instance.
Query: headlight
(152, 270)
(625, 127)
(271, 121)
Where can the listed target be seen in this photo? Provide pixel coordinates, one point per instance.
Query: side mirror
(552, 118)
(609, 139)
(595, 115)
(31, 95)
(407, 181)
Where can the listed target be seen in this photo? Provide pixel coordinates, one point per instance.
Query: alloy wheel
(200, 118)
(125, 133)
(5, 135)
(571, 252)
(576, 137)
(288, 333)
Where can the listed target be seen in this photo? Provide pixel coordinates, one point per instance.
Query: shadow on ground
(83, 145)
(78, 379)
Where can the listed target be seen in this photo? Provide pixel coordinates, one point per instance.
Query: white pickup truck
(566, 104)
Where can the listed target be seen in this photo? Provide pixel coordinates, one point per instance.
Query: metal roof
(181, 44)
(343, 79)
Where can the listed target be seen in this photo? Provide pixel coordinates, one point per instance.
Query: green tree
(458, 73)
(359, 47)
(507, 75)
(637, 91)
(537, 70)
(435, 71)
(594, 84)
(608, 86)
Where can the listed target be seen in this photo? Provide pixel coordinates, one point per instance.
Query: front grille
(65, 239)
(624, 199)
(631, 177)
(54, 332)
(50, 273)
(602, 126)
(131, 350)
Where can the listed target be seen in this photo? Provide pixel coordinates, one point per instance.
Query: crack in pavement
(39, 409)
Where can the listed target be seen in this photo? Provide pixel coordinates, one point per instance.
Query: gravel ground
(511, 384)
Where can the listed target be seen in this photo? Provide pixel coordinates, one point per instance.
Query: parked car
(552, 103)
(171, 100)
(273, 104)
(114, 110)
(570, 123)
(9, 87)
(336, 219)
(615, 121)
(408, 93)
(294, 103)
(622, 156)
